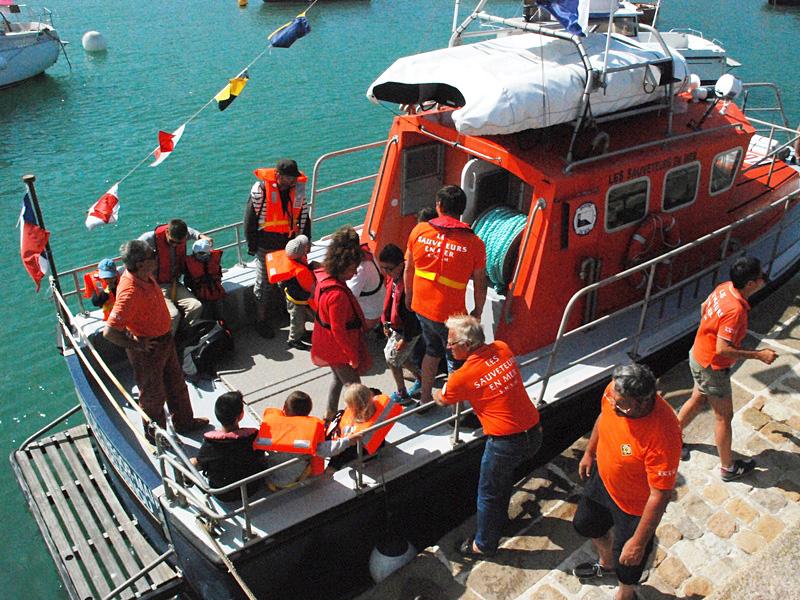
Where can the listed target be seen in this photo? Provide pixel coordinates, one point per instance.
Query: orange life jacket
(385, 409)
(295, 435)
(271, 216)
(94, 284)
(164, 256)
(204, 279)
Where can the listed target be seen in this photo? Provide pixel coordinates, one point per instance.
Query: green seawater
(80, 131)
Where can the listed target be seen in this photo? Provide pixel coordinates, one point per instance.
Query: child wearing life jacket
(227, 453)
(364, 408)
(299, 291)
(289, 434)
(203, 276)
(400, 325)
(100, 286)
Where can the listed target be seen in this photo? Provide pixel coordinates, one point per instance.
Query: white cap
(201, 246)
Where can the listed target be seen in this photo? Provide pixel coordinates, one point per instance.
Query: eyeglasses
(615, 404)
(455, 343)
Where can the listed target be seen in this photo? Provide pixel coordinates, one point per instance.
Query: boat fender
(389, 555)
(657, 234)
(94, 41)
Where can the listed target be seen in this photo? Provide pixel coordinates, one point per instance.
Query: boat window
(723, 170)
(627, 203)
(422, 177)
(680, 186)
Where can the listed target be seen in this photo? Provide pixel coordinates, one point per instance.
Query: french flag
(166, 144)
(106, 210)
(32, 243)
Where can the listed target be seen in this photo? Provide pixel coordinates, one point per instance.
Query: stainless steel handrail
(650, 265)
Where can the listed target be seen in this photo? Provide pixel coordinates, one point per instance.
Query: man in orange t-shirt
(636, 442)
(442, 255)
(140, 322)
(491, 381)
(723, 326)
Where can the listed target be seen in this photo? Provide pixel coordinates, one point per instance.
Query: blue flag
(572, 14)
(285, 36)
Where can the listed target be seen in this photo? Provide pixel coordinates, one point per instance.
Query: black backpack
(212, 342)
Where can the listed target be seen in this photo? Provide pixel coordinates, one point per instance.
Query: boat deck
(94, 543)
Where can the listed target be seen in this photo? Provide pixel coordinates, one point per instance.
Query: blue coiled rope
(499, 227)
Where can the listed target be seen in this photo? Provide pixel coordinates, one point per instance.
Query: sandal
(467, 549)
(402, 398)
(593, 570)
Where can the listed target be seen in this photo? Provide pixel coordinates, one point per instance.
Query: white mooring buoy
(93, 41)
(388, 556)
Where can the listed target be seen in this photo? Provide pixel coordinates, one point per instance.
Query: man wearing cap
(100, 286)
(169, 243)
(140, 323)
(276, 212)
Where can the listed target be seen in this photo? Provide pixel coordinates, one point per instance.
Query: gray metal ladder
(97, 547)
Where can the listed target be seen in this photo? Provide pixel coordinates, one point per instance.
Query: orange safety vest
(271, 216)
(295, 435)
(204, 279)
(164, 256)
(385, 409)
(94, 284)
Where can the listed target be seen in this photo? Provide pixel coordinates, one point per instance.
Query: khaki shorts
(709, 381)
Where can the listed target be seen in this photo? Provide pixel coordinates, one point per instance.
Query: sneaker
(740, 467)
(589, 570)
(264, 330)
(298, 345)
(415, 387)
(684, 452)
(402, 398)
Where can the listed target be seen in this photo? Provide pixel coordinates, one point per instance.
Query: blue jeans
(502, 455)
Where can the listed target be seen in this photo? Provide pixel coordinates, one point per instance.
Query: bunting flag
(230, 92)
(32, 243)
(106, 210)
(572, 14)
(288, 34)
(166, 144)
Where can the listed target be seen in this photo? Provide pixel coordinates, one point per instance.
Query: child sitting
(291, 433)
(400, 325)
(203, 276)
(227, 454)
(363, 409)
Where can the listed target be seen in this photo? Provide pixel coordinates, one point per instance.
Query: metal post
(359, 474)
(454, 439)
(247, 530)
(643, 315)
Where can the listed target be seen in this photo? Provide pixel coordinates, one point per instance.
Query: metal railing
(650, 297)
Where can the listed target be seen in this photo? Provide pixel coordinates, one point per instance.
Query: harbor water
(79, 130)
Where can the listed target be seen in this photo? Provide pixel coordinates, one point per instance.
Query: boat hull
(27, 55)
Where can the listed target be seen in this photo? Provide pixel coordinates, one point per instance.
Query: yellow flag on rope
(231, 91)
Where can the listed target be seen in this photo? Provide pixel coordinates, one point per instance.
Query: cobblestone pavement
(725, 541)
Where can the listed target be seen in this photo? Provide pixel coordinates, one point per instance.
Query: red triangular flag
(166, 144)
(105, 210)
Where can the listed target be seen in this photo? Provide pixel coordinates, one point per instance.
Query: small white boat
(27, 47)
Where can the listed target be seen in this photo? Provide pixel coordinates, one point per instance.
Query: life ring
(658, 233)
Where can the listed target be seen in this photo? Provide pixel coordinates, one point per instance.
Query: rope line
(499, 227)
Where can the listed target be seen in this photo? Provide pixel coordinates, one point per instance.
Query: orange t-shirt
(444, 260)
(491, 381)
(634, 455)
(724, 315)
(140, 307)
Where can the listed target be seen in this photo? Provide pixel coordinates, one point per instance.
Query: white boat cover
(526, 81)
